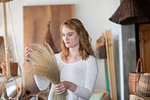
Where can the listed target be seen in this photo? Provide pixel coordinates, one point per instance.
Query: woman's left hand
(62, 87)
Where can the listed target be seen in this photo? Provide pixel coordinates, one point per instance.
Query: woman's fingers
(27, 50)
(62, 91)
(27, 53)
(60, 88)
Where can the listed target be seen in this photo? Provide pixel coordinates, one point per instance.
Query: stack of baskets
(139, 84)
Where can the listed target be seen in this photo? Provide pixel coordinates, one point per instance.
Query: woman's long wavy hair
(85, 48)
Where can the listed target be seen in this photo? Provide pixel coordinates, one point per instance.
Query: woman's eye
(69, 34)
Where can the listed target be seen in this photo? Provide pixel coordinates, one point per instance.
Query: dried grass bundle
(45, 64)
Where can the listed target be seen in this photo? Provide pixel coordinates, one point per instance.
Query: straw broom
(45, 64)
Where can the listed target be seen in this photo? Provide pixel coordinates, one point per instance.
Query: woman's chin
(68, 46)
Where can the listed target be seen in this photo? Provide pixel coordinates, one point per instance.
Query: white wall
(93, 13)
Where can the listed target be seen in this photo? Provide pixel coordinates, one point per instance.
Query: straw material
(45, 64)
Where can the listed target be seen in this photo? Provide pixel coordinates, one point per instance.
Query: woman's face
(70, 37)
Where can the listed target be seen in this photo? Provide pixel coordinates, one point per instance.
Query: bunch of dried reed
(45, 64)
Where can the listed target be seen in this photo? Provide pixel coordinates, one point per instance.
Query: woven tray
(136, 97)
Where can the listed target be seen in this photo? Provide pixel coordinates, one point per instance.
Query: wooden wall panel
(144, 30)
(36, 19)
(62, 13)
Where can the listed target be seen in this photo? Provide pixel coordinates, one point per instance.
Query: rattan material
(136, 97)
(132, 12)
(134, 78)
(144, 85)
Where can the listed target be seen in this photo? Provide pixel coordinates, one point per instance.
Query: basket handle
(141, 65)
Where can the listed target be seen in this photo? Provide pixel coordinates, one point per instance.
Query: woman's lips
(67, 42)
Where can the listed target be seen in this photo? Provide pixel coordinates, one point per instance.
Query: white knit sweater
(82, 73)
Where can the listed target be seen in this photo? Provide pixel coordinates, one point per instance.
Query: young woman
(78, 66)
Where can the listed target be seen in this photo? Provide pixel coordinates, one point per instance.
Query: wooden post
(6, 42)
(110, 65)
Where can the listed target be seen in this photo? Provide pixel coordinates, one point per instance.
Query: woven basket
(134, 77)
(136, 97)
(144, 85)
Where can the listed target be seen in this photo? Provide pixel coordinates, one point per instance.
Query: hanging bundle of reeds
(45, 64)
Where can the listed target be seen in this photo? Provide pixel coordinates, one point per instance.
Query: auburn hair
(85, 48)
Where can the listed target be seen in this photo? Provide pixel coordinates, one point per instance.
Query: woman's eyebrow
(69, 33)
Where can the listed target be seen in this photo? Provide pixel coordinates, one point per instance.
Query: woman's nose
(66, 38)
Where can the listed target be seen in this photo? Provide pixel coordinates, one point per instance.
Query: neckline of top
(68, 63)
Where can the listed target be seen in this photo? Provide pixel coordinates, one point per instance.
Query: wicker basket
(136, 97)
(144, 85)
(134, 77)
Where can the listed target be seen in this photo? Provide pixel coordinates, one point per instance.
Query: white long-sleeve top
(82, 73)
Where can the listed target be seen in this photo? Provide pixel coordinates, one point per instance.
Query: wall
(93, 13)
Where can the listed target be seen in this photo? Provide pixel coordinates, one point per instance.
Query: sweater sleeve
(85, 92)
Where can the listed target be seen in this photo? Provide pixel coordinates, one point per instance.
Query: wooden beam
(6, 42)
(110, 65)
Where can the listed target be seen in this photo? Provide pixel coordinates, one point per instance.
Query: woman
(78, 66)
